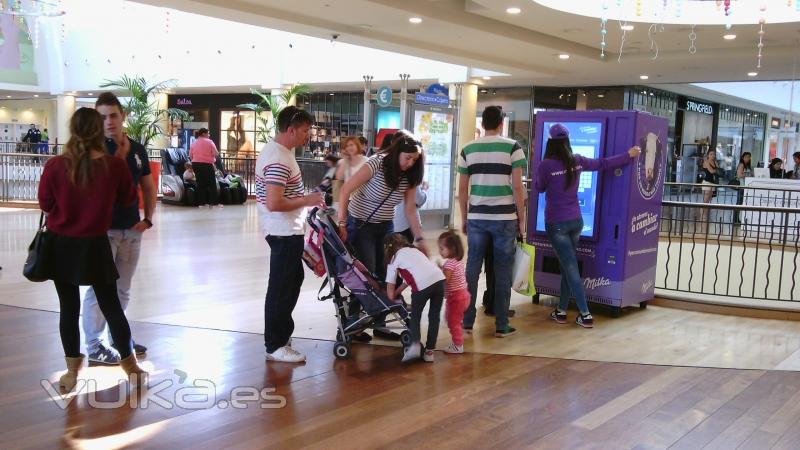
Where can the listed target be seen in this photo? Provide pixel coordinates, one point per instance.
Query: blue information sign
(432, 99)
(384, 96)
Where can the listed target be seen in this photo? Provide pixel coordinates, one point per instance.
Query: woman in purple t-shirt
(557, 177)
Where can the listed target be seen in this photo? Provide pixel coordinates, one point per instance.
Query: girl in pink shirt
(451, 248)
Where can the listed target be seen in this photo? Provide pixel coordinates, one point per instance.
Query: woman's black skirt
(80, 260)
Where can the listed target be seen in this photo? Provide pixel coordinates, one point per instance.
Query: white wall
(25, 112)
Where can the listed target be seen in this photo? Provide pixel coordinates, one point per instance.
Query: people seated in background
(188, 174)
(776, 168)
(795, 174)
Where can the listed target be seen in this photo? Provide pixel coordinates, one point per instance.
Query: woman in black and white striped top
(365, 218)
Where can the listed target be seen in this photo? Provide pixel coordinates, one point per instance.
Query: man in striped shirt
(282, 203)
(492, 200)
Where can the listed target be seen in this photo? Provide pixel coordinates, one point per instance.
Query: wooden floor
(208, 269)
(474, 400)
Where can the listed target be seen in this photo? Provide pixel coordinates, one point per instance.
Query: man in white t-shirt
(282, 203)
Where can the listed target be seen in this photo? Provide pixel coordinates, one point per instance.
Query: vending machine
(621, 208)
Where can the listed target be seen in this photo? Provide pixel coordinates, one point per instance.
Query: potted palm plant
(274, 104)
(144, 116)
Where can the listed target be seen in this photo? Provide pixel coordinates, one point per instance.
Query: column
(65, 108)
(466, 95)
(162, 140)
(367, 129)
(403, 102)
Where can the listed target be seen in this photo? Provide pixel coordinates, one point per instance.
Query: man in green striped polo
(492, 200)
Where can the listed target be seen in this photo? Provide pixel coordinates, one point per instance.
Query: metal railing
(709, 253)
(20, 174)
(41, 148)
(730, 223)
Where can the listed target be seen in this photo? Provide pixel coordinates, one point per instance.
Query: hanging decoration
(604, 30)
(761, 23)
(623, 26)
(692, 40)
(166, 21)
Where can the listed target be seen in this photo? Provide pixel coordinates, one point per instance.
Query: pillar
(403, 102)
(65, 108)
(162, 140)
(466, 96)
(367, 130)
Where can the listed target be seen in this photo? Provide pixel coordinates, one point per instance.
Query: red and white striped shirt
(458, 280)
(276, 166)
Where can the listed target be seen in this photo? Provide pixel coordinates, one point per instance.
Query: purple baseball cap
(559, 131)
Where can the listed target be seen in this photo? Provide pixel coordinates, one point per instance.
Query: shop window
(237, 137)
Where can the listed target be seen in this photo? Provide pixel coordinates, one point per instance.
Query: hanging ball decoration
(762, 21)
(728, 26)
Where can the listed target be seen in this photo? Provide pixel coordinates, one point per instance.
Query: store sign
(384, 96)
(431, 99)
(702, 108)
(183, 102)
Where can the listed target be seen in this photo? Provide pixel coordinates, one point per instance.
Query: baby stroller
(358, 296)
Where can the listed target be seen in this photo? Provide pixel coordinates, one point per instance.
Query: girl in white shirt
(426, 281)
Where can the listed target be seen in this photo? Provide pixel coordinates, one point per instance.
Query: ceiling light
(626, 27)
(36, 95)
(90, 93)
(563, 56)
(601, 95)
(729, 37)
(513, 10)
(483, 91)
(752, 74)
(643, 77)
(487, 78)
(8, 96)
(415, 20)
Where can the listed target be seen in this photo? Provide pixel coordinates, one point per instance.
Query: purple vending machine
(618, 248)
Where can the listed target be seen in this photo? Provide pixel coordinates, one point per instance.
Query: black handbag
(34, 269)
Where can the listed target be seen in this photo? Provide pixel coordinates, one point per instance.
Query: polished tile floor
(207, 269)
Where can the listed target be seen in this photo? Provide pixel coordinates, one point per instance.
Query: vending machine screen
(586, 139)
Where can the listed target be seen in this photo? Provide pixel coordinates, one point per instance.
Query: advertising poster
(435, 131)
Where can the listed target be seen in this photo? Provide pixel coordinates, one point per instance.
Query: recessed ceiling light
(644, 77)
(601, 95)
(36, 95)
(8, 96)
(90, 93)
(626, 27)
(563, 56)
(483, 91)
(415, 20)
(513, 10)
(331, 93)
(729, 37)
(752, 74)
(487, 78)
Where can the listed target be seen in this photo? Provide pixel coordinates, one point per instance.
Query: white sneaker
(413, 352)
(453, 348)
(286, 354)
(427, 356)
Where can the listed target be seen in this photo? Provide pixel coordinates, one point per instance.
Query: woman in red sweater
(78, 191)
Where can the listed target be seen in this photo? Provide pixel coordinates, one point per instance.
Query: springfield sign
(702, 108)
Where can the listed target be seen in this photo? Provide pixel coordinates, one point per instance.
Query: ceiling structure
(481, 34)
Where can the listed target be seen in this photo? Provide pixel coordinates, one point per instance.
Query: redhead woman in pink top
(203, 154)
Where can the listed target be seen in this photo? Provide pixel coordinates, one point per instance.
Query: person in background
(78, 191)
(203, 155)
(352, 160)
(710, 172)
(776, 168)
(795, 174)
(492, 201)
(743, 170)
(400, 221)
(281, 202)
(330, 175)
(377, 188)
(188, 174)
(127, 229)
(427, 284)
(558, 177)
(45, 141)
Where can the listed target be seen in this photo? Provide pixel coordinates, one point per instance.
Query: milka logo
(646, 286)
(592, 283)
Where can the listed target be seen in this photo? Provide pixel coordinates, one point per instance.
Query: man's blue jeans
(564, 236)
(125, 246)
(501, 234)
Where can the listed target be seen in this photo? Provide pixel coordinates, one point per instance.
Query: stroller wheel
(341, 350)
(405, 338)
